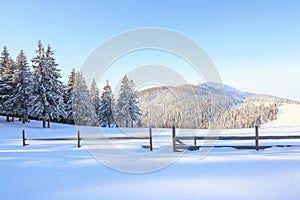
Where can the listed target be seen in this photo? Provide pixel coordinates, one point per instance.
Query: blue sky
(255, 44)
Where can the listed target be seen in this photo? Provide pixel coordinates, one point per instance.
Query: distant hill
(206, 105)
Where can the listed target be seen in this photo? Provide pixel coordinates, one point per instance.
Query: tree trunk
(131, 123)
(13, 118)
(24, 118)
(126, 123)
(7, 118)
(44, 123)
(48, 123)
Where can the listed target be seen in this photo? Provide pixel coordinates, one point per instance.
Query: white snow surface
(60, 170)
(289, 115)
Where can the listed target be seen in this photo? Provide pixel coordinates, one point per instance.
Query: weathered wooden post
(256, 138)
(150, 138)
(173, 138)
(78, 139)
(23, 138)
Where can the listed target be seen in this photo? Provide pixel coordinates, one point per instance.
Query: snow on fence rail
(256, 138)
(78, 139)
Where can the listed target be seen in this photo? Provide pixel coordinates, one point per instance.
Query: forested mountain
(209, 105)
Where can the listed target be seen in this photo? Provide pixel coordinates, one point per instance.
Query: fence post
(173, 138)
(195, 141)
(23, 138)
(150, 138)
(78, 139)
(256, 138)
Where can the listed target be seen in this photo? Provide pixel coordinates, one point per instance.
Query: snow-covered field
(60, 170)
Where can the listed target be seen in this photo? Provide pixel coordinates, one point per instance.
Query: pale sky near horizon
(255, 44)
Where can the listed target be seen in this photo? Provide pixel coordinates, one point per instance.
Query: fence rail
(79, 139)
(179, 145)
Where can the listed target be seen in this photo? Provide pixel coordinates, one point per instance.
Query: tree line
(37, 92)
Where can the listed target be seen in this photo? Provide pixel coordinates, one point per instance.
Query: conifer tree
(82, 106)
(7, 90)
(106, 109)
(47, 101)
(23, 90)
(122, 110)
(68, 93)
(134, 110)
(6, 70)
(127, 105)
(95, 96)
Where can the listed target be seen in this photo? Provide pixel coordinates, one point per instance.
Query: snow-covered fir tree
(6, 86)
(127, 104)
(122, 108)
(68, 93)
(95, 94)
(106, 109)
(48, 99)
(82, 106)
(3, 65)
(55, 86)
(7, 89)
(134, 110)
(23, 89)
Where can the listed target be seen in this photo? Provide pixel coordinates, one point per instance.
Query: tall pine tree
(47, 101)
(127, 105)
(68, 93)
(134, 110)
(122, 109)
(23, 90)
(6, 73)
(95, 97)
(7, 89)
(82, 106)
(107, 107)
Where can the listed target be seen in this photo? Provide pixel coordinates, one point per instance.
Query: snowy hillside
(202, 106)
(59, 170)
(230, 92)
(288, 116)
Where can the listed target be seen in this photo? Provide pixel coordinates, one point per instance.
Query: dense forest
(36, 92)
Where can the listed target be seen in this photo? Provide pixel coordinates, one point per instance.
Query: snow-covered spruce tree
(95, 95)
(127, 105)
(134, 110)
(4, 57)
(122, 108)
(7, 90)
(68, 92)
(106, 109)
(56, 86)
(23, 89)
(82, 106)
(47, 102)
(6, 70)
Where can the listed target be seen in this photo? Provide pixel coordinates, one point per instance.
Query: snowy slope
(59, 170)
(227, 90)
(288, 115)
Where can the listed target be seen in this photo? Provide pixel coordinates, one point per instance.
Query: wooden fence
(178, 143)
(79, 139)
